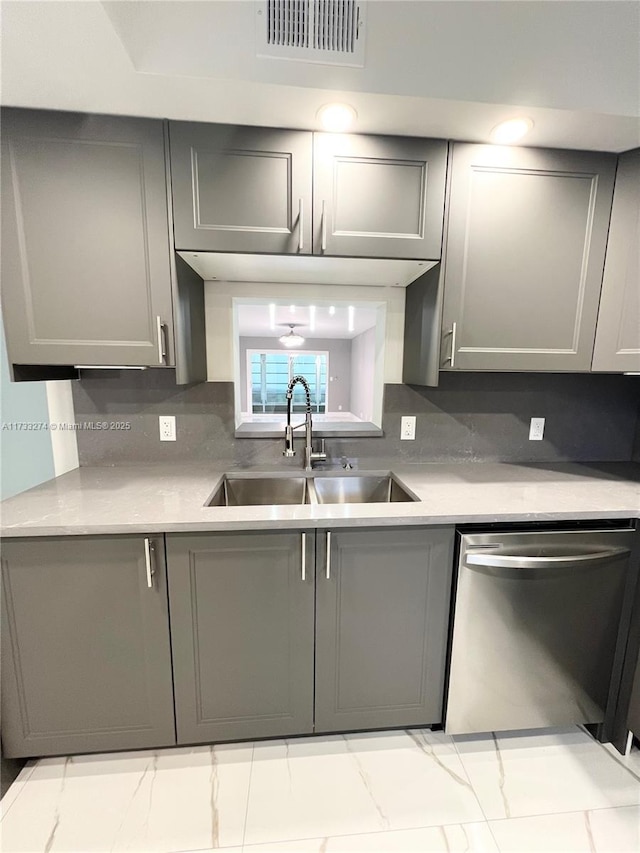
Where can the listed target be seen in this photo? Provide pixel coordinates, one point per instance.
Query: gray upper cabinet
(378, 196)
(382, 613)
(85, 252)
(527, 234)
(618, 332)
(241, 189)
(86, 664)
(250, 189)
(242, 623)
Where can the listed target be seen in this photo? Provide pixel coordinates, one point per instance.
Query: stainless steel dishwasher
(535, 627)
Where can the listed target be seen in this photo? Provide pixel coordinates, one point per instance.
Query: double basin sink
(287, 491)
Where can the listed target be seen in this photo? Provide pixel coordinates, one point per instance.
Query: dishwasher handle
(564, 561)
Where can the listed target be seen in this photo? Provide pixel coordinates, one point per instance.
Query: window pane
(269, 388)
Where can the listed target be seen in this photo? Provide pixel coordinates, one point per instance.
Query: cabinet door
(378, 196)
(85, 252)
(241, 189)
(382, 614)
(633, 719)
(86, 664)
(527, 234)
(618, 332)
(242, 634)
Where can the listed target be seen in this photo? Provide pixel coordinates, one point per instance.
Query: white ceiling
(446, 69)
(254, 320)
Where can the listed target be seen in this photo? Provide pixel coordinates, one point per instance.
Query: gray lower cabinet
(262, 644)
(527, 234)
(86, 663)
(382, 615)
(241, 189)
(86, 269)
(242, 624)
(617, 345)
(378, 196)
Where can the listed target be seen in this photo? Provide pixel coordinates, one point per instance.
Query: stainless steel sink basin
(260, 491)
(291, 491)
(355, 489)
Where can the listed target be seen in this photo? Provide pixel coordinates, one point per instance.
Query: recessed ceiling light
(511, 130)
(332, 310)
(336, 118)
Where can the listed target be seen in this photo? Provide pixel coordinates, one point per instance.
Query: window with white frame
(270, 371)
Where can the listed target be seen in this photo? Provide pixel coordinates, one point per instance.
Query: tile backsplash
(469, 417)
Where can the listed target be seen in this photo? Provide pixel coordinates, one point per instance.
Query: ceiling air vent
(330, 32)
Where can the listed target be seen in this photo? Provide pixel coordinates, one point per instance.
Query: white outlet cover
(167, 426)
(536, 429)
(408, 428)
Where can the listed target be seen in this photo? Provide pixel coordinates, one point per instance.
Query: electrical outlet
(408, 428)
(167, 425)
(536, 429)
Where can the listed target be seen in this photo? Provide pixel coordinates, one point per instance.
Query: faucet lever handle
(319, 455)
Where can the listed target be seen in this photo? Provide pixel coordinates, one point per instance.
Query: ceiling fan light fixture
(292, 338)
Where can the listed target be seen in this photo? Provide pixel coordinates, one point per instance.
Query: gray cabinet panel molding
(527, 234)
(381, 622)
(86, 664)
(378, 196)
(242, 628)
(617, 346)
(85, 260)
(241, 189)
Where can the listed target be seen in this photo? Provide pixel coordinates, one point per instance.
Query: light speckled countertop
(162, 499)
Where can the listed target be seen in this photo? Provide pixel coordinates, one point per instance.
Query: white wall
(28, 457)
(218, 297)
(363, 356)
(432, 69)
(64, 443)
(493, 52)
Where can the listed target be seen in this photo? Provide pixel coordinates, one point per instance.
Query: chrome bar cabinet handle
(148, 548)
(323, 243)
(304, 556)
(454, 329)
(328, 563)
(300, 226)
(162, 347)
(451, 358)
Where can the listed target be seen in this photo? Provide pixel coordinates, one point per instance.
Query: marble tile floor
(391, 792)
